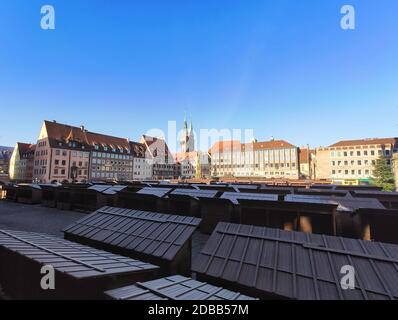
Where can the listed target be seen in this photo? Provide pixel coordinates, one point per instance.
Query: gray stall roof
(174, 288)
(297, 265)
(245, 186)
(235, 196)
(311, 199)
(157, 192)
(195, 193)
(114, 189)
(374, 193)
(74, 259)
(150, 233)
(29, 185)
(348, 204)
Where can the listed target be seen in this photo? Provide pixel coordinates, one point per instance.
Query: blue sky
(283, 68)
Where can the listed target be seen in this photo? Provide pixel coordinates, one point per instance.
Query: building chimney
(82, 128)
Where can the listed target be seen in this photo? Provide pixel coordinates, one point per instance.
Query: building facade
(21, 162)
(268, 159)
(160, 158)
(142, 166)
(5, 156)
(352, 161)
(307, 163)
(111, 158)
(62, 154)
(73, 154)
(193, 165)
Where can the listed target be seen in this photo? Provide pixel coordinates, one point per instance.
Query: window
(372, 152)
(64, 153)
(56, 162)
(55, 171)
(345, 154)
(358, 153)
(359, 171)
(365, 153)
(359, 162)
(63, 171)
(63, 162)
(346, 171)
(57, 152)
(352, 171)
(387, 152)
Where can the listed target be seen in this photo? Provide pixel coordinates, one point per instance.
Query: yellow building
(21, 162)
(352, 161)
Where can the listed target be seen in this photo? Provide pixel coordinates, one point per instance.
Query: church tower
(187, 139)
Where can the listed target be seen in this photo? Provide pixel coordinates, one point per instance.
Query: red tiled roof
(157, 147)
(62, 133)
(26, 149)
(228, 145)
(236, 145)
(304, 155)
(364, 142)
(137, 149)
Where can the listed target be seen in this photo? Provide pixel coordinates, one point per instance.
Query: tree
(383, 176)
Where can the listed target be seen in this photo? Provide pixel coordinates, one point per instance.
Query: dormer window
(105, 148)
(96, 147)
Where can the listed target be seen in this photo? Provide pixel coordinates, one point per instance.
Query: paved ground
(35, 218)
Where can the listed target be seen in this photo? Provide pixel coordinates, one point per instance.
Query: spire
(185, 121)
(191, 127)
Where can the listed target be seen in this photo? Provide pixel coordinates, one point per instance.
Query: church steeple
(187, 142)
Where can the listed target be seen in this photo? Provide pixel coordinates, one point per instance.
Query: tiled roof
(75, 260)
(272, 263)
(139, 232)
(304, 155)
(62, 134)
(26, 149)
(364, 142)
(138, 149)
(157, 148)
(174, 288)
(223, 146)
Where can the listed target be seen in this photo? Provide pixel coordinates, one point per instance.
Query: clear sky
(283, 68)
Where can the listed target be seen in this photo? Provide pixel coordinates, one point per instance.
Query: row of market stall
(127, 254)
(363, 213)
